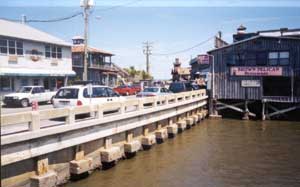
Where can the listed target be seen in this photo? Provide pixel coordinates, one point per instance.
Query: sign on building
(256, 71)
(250, 83)
(203, 59)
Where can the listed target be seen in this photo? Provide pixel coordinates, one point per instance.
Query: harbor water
(215, 153)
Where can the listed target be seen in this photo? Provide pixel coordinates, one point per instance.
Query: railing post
(99, 113)
(35, 121)
(155, 102)
(71, 116)
(141, 104)
(122, 108)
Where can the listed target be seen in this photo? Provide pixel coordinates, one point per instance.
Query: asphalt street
(11, 129)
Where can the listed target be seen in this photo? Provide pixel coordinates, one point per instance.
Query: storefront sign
(256, 71)
(203, 59)
(250, 83)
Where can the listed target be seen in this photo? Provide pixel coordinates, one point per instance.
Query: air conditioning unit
(13, 59)
(54, 62)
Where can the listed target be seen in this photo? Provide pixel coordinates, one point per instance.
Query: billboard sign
(203, 59)
(250, 83)
(256, 71)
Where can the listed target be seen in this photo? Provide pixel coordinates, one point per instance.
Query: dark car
(177, 87)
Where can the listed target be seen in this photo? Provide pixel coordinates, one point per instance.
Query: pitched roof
(80, 49)
(252, 38)
(26, 32)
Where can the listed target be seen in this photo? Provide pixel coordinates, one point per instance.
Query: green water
(213, 154)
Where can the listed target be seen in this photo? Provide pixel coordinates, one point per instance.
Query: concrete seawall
(52, 156)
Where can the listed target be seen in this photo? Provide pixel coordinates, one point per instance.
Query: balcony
(105, 67)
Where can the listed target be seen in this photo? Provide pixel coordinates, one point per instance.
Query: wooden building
(100, 66)
(180, 73)
(263, 68)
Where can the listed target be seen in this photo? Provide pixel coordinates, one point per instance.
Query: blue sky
(171, 25)
(158, 3)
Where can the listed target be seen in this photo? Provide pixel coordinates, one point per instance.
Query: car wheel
(24, 103)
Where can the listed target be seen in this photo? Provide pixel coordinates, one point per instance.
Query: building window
(53, 51)
(11, 47)
(279, 58)
(284, 58)
(3, 46)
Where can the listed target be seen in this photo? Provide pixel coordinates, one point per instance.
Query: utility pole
(147, 51)
(86, 4)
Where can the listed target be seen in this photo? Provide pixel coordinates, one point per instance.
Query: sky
(171, 25)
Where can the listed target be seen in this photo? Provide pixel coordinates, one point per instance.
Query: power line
(184, 50)
(56, 19)
(117, 6)
(45, 20)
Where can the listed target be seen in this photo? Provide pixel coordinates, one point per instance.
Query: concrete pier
(76, 148)
(161, 135)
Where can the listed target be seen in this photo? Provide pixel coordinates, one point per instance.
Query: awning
(35, 72)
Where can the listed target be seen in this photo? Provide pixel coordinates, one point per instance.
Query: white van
(80, 95)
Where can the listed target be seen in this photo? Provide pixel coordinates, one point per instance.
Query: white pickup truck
(27, 94)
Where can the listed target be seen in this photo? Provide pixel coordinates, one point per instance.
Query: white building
(32, 57)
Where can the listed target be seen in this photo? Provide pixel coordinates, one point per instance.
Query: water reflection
(216, 153)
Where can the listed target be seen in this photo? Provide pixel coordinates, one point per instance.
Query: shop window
(5, 84)
(24, 82)
(36, 82)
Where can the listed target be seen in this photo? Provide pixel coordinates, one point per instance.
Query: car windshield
(151, 90)
(176, 87)
(24, 89)
(67, 93)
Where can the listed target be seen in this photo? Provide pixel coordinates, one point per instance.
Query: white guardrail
(107, 119)
(34, 118)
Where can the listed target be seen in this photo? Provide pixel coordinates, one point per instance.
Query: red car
(137, 88)
(126, 90)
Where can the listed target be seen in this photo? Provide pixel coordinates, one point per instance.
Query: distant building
(180, 73)
(262, 66)
(100, 66)
(32, 57)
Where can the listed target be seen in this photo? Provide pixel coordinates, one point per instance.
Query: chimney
(241, 29)
(177, 62)
(78, 40)
(24, 19)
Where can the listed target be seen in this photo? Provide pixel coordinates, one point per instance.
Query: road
(11, 110)
(11, 129)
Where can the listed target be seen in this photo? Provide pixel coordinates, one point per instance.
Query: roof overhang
(35, 72)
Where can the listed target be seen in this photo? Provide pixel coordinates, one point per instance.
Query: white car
(153, 91)
(79, 95)
(27, 94)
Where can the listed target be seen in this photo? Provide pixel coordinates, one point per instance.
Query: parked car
(27, 94)
(125, 90)
(78, 95)
(177, 87)
(137, 87)
(153, 91)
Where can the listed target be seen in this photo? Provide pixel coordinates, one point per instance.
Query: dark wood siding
(229, 87)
